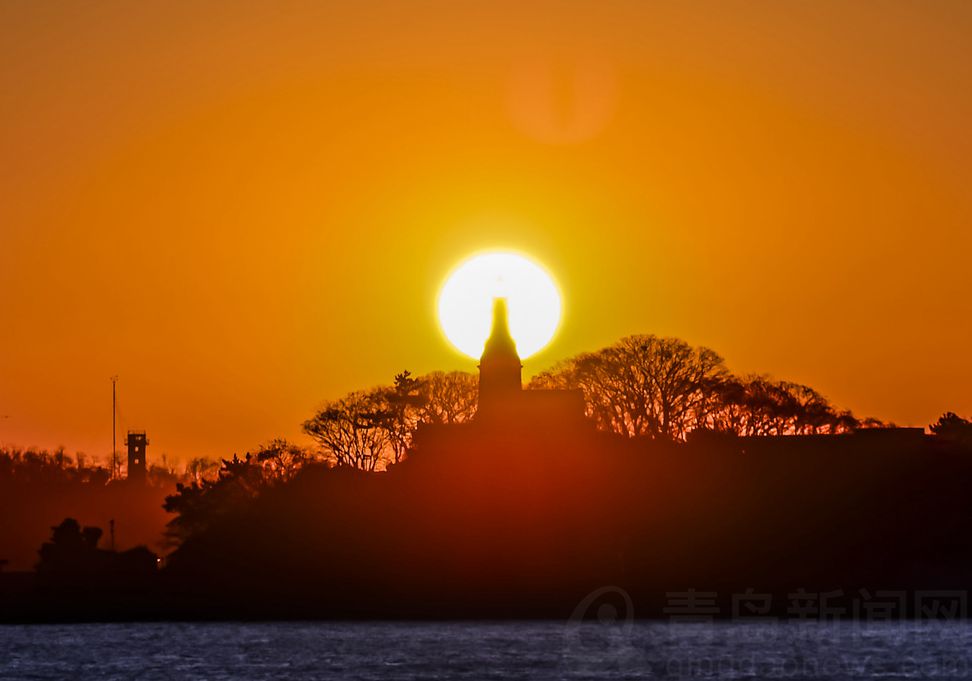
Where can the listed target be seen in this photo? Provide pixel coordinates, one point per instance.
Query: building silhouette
(509, 420)
(137, 441)
(501, 394)
(500, 370)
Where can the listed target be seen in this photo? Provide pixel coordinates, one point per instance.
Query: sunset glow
(242, 210)
(383, 339)
(466, 300)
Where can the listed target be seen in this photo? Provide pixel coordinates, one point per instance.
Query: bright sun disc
(466, 302)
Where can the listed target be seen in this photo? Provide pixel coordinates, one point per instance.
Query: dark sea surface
(488, 650)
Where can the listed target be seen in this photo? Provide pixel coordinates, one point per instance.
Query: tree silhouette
(950, 426)
(641, 385)
(199, 468)
(281, 459)
(369, 430)
(72, 566)
(240, 480)
(664, 388)
(353, 430)
(448, 397)
(398, 414)
(69, 550)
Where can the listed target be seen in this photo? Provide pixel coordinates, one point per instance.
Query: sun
(466, 301)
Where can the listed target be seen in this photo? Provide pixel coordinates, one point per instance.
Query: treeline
(642, 386)
(39, 488)
(369, 430)
(41, 465)
(236, 482)
(476, 523)
(32, 465)
(201, 503)
(665, 388)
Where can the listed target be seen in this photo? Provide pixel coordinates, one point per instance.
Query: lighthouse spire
(500, 370)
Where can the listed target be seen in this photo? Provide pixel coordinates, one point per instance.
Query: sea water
(487, 650)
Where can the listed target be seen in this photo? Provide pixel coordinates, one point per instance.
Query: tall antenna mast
(114, 450)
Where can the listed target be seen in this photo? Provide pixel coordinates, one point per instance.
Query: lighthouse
(500, 369)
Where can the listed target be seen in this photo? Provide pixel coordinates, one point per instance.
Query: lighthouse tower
(137, 441)
(500, 370)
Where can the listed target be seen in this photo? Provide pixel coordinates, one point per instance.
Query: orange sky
(245, 208)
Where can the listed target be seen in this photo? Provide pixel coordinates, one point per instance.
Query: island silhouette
(645, 468)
